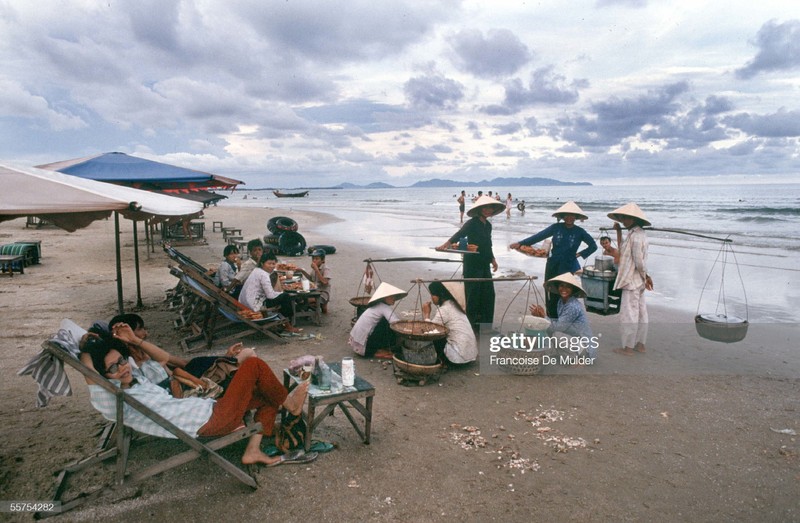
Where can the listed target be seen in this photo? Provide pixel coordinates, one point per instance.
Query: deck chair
(221, 321)
(119, 446)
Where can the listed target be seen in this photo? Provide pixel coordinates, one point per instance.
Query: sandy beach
(688, 431)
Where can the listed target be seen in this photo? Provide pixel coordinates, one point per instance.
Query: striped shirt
(188, 414)
(632, 268)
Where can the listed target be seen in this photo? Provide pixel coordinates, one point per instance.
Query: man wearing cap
(632, 277)
(479, 263)
(320, 275)
(567, 238)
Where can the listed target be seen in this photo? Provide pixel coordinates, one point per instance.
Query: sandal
(295, 457)
(383, 354)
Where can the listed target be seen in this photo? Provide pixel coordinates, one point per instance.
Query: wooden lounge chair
(119, 446)
(222, 321)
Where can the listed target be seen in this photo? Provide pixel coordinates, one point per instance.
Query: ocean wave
(763, 211)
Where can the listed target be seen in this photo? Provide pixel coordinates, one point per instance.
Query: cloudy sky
(294, 92)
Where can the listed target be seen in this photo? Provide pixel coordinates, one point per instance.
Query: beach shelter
(72, 203)
(132, 171)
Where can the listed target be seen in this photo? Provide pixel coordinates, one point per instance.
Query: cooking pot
(603, 263)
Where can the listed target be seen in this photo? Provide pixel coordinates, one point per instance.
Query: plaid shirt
(188, 414)
(632, 268)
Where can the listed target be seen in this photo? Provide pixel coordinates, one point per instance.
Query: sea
(745, 266)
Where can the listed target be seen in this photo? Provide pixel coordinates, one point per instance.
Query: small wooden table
(330, 400)
(216, 225)
(8, 261)
(302, 308)
(230, 231)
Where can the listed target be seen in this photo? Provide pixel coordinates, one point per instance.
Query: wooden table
(301, 308)
(230, 231)
(216, 225)
(362, 390)
(8, 261)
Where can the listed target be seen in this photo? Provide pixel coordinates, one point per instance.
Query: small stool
(215, 226)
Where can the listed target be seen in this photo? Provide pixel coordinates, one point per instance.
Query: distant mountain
(496, 182)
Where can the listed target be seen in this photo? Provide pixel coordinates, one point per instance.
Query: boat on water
(289, 194)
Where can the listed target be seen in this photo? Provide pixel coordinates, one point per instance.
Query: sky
(297, 93)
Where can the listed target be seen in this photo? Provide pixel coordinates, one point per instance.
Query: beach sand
(683, 432)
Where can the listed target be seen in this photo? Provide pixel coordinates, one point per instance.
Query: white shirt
(632, 268)
(256, 289)
(248, 266)
(461, 346)
(366, 324)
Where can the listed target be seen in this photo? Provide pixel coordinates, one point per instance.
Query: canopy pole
(147, 237)
(139, 303)
(119, 263)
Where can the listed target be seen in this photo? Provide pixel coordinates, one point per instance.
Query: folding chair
(222, 312)
(120, 448)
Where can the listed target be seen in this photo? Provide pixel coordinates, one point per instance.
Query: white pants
(633, 317)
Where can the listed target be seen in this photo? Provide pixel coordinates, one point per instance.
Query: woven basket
(522, 368)
(419, 352)
(419, 330)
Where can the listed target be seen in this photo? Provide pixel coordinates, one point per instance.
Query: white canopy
(72, 203)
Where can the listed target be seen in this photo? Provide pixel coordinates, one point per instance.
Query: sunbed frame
(118, 446)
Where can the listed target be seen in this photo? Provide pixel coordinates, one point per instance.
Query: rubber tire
(272, 239)
(520, 206)
(279, 224)
(292, 243)
(329, 249)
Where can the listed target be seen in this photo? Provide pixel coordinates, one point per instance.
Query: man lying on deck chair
(157, 364)
(254, 386)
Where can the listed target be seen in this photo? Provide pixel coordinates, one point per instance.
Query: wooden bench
(230, 231)
(216, 225)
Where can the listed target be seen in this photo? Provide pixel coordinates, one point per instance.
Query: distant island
(438, 182)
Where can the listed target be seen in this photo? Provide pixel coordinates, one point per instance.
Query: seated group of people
(372, 336)
(256, 284)
(123, 354)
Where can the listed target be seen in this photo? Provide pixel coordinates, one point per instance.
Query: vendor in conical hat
(632, 277)
(481, 263)
(572, 319)
(566, 240)
(371, 335)
(460, 346)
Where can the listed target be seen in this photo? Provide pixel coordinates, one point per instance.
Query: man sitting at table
(263, 290)
(254, 249)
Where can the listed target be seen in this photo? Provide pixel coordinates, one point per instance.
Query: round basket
(419, 352)
(417, 370)
(523, 363)
(360, 301)
(419, 330)
(718, 327)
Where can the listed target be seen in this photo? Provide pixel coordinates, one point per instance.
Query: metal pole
(136, 264)
(119, 263)
(446, 260)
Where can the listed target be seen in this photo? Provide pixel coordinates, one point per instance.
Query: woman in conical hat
(632, 278)
(572, 319)
(481, 263)
(566, 240)
(371, 335)
(460, 346)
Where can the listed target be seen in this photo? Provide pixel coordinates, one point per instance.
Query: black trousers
(480, 295)
(381, 337)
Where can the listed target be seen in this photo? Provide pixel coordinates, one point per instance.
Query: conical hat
(385, 290)
(570, 208)
(629, 209)
(485, 201)
(567, 277)
(456, 289)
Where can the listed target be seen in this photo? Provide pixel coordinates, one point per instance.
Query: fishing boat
(279, 194)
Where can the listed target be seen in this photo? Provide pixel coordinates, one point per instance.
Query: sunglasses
(115, 366)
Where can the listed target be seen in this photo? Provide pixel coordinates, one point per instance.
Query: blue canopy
(124, 169)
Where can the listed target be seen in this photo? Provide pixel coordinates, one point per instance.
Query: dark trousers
(480, 295)
(381, 337)
(551, 298)
(284, 301)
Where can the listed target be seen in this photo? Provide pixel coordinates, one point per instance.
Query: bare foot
(625, 351)
(295, 400)
(252, 457)
(252, 453)
(639, 347)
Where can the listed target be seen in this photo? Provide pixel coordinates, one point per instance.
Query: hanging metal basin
(722, 328)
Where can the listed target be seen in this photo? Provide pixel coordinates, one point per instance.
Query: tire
(521, 206)
(292, 243)
(329, 249)
(272, 239)
(279, 224)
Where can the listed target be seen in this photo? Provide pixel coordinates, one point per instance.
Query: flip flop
(383, 354)
(295, 457)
